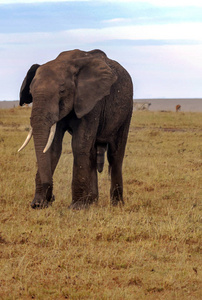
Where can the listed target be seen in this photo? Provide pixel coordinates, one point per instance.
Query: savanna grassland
(148, 249)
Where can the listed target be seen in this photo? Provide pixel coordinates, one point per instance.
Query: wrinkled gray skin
(91, 97)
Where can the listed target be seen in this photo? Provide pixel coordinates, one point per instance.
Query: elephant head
(75, 80)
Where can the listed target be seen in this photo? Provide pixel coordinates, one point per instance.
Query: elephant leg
(43, 194)
(115, 154)
(84, 181)
(115, 168)
(94, 177)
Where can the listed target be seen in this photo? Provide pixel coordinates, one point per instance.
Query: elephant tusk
(51, 137)
(29, 136)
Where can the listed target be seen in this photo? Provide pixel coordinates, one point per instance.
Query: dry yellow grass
(149, 249)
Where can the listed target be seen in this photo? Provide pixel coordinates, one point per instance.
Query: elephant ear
(25, 96)
(94, 82)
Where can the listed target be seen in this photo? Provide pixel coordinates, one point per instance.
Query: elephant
(91, 97)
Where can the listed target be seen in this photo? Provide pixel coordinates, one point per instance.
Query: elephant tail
(101, 148)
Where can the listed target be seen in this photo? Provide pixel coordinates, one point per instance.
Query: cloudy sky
(158, 42)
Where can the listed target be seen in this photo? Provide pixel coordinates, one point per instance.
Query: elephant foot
(79, 205)
(117, 196)
(39, 203)
(116, 202)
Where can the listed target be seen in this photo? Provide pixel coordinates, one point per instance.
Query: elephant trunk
(41, 135)
(41, 123)
(44, 118)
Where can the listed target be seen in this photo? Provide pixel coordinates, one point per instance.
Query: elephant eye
(62, 91)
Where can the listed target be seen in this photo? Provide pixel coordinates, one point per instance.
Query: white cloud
(116, 20)
(175, 2)
(163, 3)
(182, 31)
(190, 31)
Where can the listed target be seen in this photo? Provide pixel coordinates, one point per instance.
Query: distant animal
(91, 97)
(178, 108)
(142, 105)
